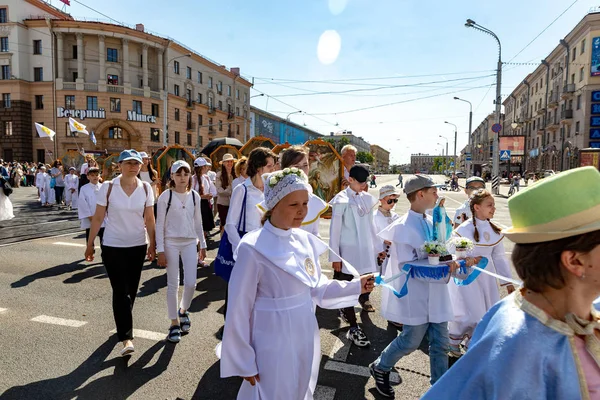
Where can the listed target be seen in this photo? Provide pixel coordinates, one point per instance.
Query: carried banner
(44, 131)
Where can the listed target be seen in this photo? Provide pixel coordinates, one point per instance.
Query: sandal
(184, 321)
(174, 335)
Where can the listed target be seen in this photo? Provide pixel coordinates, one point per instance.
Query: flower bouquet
(462, 245)
(434, 251)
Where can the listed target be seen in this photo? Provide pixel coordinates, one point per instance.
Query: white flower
(286, 171)
(294, 170)
(273, 181)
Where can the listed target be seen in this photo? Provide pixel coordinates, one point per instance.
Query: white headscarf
(281, 183)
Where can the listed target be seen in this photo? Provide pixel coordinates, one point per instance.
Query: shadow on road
(76, 266)
(212, 386)
(125, 380)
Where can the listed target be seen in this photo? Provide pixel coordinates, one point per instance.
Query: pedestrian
(84, 170)
(240, 172)
(399, 181)
(271, 334)
(348, 153)
(57, 175)
(517, 181)
(541, 341)
(472, 301)
(463, 213)
(4, 170)
(373, 181)
(42, 182)
(352, 236)
(201, 184)
(224, 184)
(297, 156)
(179, 234)
(126, 205)
(384, 216)
(87, 203)
(149, 174)
(212, 178)
(6, 207)
(18, 171)
(72, 183)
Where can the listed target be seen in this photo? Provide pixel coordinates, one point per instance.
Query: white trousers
(186, 249)
(43, 195)
(71, 198)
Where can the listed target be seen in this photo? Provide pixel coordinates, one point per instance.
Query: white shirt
(207, 185)
(145, 176)
(125, 225)
(253, 215)
(42, 179)
(237, 181)
(87, 203)
(71, 181)
(464, 209)
(184, 220)
(84, 169)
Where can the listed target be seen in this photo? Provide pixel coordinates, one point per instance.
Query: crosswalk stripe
(139, 333)
(340, 349)
(356, 370)
(46, 319)
(3, 310)
(324, 393)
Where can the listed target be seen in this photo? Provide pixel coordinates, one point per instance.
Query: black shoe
(382, 381)
(343, 316)
(358, 337)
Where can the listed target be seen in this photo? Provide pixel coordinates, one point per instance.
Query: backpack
(171, 197)
(110, 186)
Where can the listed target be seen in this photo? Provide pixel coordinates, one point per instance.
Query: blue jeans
(410, 339)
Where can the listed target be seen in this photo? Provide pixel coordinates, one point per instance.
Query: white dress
(381, 222)
(6, 207)
(471, 302)
(271, 329)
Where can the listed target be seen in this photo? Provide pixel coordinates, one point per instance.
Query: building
(112, 78)
(357, 141)
(482, 139)
(279, 129)
(424, 163)
(381, 159)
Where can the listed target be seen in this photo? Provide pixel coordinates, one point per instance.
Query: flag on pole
(77, 127)
(44, 131)
(67, 2)
(93, 138)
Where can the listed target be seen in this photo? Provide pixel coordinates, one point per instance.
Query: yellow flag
(44, 131)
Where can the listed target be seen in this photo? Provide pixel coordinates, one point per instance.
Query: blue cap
(130, 155)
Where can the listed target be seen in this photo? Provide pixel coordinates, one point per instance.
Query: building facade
(278, 129)
(381, 159)
(482, 139)
(424, 163)
(356, 141)
(121, 82)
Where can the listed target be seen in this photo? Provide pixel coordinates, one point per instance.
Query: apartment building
(381, 159)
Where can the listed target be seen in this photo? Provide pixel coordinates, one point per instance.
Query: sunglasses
(392, 201)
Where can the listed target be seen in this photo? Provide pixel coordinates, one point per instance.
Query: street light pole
(286, 125)
(496, 152)
(455, 137)
(166, 87)
(468, 163)
(446, 157)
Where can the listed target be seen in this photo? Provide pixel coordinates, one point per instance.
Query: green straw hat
(564, 205)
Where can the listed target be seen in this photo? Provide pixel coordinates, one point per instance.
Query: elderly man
(349, 159)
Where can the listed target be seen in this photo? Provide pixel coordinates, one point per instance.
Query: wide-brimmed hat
(227, 157)
(564, 205)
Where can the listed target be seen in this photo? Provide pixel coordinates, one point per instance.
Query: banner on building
(595, 62)
(515, 144)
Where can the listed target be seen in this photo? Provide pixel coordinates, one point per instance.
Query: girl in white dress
(6, 207)
(271, 336)
(471, 302)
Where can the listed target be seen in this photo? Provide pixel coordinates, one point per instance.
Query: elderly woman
(541, 342)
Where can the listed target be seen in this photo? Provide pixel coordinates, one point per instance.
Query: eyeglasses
(392, 201)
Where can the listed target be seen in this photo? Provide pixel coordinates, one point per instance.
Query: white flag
(93, 138)
(44, 131)
(77, 127)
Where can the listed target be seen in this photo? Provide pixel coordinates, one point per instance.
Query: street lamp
(470, 125)
(455, 137)
(446, 156)
(257, 95)
(287, 119)
(496, 154)
(166, 86)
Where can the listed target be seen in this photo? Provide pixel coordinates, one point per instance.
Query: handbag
(52, 182)
(224, 261)
(6, 188)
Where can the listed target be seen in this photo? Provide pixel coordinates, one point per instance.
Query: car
(461, 174)
(548, 173)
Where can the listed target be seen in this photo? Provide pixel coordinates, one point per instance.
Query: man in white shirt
(42, 182)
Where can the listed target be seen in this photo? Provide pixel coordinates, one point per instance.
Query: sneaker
(184, 321)
(382, 381)
(358, 337)
(174, 335)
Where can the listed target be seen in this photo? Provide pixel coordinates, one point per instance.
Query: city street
(57, 327)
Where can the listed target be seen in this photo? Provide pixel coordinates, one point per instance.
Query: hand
(510, 288)
(337, 266)
(367, 283)
(162, 260)
(89, 253)
(151, 254)
(202, 254)
(453, 267)
(345, 183)
(252, 379)
(381, 256)
(387, 243)
(472, 260)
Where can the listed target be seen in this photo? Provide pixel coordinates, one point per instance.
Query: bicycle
(511, 191)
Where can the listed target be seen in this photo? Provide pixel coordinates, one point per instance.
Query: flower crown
(276, 177)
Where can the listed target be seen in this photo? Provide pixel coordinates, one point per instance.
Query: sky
(399, 63)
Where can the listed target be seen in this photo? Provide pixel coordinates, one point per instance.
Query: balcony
(155, 95)
(566, 116)
(568, 91)
(553, 124)
(191, 126)
(189, 104)
(137, 92)
(211, 130)
(69, 86)
(230, 115)
(212, 110)
(553, 101)
(115, 89)
(90, 87)
(541, 110)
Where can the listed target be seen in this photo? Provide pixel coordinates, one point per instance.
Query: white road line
(324, 393)
(46, 319)
(340, 349)
(356, 370)
(139, 333)
(72, 244)
(3, 310)
(327, 270)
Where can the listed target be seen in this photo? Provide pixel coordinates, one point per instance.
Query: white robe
(465, 209)
(316, 208)
(382, 222)
(6, 207)
(271, 329)
(427, 300)
(42, 182)
(472, 301)
(71, 182)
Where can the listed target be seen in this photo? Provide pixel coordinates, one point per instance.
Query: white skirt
(6, 207)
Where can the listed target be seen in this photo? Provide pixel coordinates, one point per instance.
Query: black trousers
(100, 235)
(58, 193)
(124, 268)
(349, 311)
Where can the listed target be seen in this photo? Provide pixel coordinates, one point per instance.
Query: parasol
(216, 142)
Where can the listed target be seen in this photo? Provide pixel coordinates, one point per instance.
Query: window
(68, 132)
(210, 82)
(245, 97)
(189, 120)
(237, 111)
(8, 128)
(574, 53)
(137, 106)
(112, 55)
(176, 67)
(220, 105)
(246, 114)
(92, 103)
(199, 77)
(39, 102)
(115, 105)
(115, 133)
(176, 90)
(188, 96)
(210, 125)
(581, 74)
(6, 72)
(141, 60)
(199, 120)
(237, 130)
(112, 79)
(4, 44)
(579, 102)
(37, 47)
(582, 46)
(572, 78)
(70, 102)
(6, 100)
(189, 139)
(210, 103)
(188, 73)
(199, 141)
(228, 90)
(177, 114)
(3, 16)
(220, 125)
(74, 52)
(199, 99)
(75, 76)
(220, 87)
(38, 74)
(237, 94)
(176, 137)
(154, 135)
(154, 110)
(577, 128)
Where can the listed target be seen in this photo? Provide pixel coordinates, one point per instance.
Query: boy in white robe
(352, 236)
(71, 183)
(463, 213)
(42, 182)
(87, 202)
(271, 337)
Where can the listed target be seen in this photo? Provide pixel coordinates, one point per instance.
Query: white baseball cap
(143, 154)
(387, 190)
(177, 165)
(200, 162)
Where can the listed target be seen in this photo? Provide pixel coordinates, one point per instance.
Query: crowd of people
(269, 255)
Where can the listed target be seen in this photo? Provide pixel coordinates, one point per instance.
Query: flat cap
(417, 182)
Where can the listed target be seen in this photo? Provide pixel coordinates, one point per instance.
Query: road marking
(46, 319)
(324, 393)
(3, 310)
(340, 349)
(356, 370)
(139, 333)
(326, 270)
(72, 244)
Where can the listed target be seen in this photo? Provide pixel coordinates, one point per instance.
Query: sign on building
(61, 112)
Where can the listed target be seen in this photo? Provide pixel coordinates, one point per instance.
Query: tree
(338, 143)
(440, 164)
(364, 158)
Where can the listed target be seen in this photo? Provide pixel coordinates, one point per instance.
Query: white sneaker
(358, 337)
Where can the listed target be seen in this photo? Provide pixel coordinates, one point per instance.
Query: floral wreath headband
(277, 176)
(281, 183)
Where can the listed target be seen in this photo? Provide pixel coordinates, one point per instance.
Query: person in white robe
(6, 207)
(463, 213)
(271, 336)
(71, 183)
(472, 301)
(384, 216)
(87, 202)
(42, 182)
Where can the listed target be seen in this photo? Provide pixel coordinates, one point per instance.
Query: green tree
(364, 158)
(439, 164)
(338, 143)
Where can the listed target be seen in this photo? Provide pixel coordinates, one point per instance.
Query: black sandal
(174, 335)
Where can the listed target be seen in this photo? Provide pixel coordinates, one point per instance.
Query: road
(57, 340)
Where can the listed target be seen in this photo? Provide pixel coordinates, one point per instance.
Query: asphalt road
(56, 327)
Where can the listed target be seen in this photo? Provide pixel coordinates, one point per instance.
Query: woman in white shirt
(149, 174)
(240, 171)
(201, 184)
(224, 185)
(126, 205)
(179, 233)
